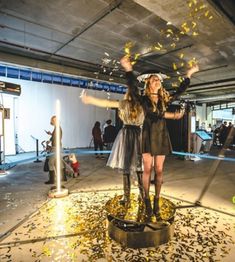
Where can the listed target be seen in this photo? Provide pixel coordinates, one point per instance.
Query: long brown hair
(135, 106)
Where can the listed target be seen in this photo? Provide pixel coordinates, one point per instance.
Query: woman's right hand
(126, 63)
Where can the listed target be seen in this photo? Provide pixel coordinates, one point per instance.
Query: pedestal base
(53, 193)
(129, 226)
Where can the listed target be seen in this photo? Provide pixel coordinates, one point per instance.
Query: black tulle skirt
(126, 150)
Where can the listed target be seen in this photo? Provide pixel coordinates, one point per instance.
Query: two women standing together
(150, 143)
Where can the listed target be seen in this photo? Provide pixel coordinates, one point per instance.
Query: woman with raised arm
(126, 150)
(155, 138)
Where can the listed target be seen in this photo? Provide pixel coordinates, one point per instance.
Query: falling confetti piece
(202, 7)
(174, 66)
(194, 24)
(180, 78)
(136, 56)
(170, 31)
(207, 13)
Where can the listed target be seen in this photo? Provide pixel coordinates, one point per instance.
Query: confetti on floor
(74, 229)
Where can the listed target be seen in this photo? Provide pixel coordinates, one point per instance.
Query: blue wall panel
(31, 75)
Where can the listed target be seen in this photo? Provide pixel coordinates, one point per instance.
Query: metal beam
(99, 16)
(58, 64)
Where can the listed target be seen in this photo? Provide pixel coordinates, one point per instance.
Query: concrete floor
(35, 228)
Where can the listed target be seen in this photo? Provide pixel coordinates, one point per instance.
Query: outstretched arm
(90, 100)
(192, 71)
(185, 84)
(130, 77)
(174, 115)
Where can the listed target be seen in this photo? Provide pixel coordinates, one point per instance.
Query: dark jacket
(109, 134)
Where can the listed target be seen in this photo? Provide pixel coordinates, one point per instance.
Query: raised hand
(126, 63)
(192, 70)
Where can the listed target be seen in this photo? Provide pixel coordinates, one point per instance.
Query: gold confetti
(174, 66)
(136, 56)
(202, 7)
(181, 55)
(207, 13)
(157, 48)
(170, 31)
(128, 47)
(194, 24)
(180, 78)
(195, 34)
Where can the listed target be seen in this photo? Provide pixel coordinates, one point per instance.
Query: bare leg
(148, 159)
(158, 168)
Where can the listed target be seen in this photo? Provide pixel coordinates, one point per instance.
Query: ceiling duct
(210, 99)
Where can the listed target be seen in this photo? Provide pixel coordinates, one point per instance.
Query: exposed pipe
(211, 98)
(209, 89)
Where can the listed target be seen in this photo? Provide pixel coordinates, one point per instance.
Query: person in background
(109, 134)
(52, 158)
(97, 138)
(223, 133)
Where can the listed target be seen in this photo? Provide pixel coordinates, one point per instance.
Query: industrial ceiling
(88, 37)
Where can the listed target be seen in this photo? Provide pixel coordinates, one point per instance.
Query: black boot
(148, 207)
(156, 208)
(127, 189)
(51, 178)
(140, 185)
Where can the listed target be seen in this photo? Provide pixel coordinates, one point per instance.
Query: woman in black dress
(155, 138)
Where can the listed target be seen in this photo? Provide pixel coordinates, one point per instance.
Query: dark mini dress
(155, 136)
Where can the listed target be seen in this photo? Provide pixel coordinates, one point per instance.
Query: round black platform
(129, 226)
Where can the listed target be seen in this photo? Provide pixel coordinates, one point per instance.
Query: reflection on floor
(74, 229)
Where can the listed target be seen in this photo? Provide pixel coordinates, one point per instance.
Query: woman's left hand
(192, 70)
(180, 114)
